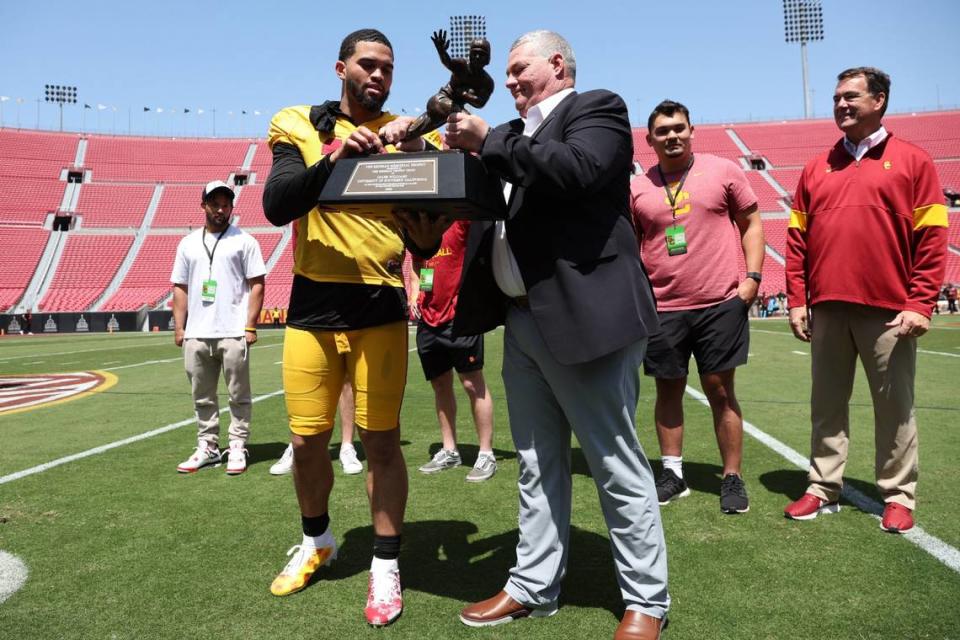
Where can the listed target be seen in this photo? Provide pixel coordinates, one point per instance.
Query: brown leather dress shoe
(500, 609)
(638, 626)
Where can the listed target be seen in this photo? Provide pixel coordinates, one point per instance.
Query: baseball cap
(217, 185)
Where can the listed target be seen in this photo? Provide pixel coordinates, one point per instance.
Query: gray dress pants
(596, 401)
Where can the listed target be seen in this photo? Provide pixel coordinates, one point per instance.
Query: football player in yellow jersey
(347, 313)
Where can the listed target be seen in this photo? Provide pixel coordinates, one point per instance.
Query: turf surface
(119, 545)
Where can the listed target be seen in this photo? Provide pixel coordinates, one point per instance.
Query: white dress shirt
(860, 150)
(505, 269)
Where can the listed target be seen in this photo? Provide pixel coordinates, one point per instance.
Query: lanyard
(210, 252)
(672, 195)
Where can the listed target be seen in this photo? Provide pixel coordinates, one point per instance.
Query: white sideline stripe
(936, 547)
(801, 353)
(113, 445)
(140, 364)
(107, 348)
(178, 358)
(939, 353)
(13, 574)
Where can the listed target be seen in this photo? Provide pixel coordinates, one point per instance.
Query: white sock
(346, 446)
(486, 453)
(379, 565)
(316, 542)
(673, 463)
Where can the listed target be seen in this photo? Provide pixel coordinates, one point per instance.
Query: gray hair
(546, 43)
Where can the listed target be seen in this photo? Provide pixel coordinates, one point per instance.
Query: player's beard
(370, 103)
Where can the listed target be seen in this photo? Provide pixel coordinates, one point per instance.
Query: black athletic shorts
(439, 351)
(718, 337)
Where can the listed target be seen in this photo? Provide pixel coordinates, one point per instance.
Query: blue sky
(726, 60)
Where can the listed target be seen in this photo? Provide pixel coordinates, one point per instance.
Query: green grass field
(119, 545)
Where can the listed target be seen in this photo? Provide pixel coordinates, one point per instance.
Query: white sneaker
(384, 597)
(348, 460)
(202, 457)
(236, 458)
(284, 465)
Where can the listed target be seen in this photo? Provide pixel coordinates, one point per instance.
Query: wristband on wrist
(753, 275)
(251, 329)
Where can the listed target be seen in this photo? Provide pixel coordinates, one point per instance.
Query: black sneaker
(670, 486)
(733, 495)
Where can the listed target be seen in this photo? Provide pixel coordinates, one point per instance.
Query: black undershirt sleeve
(292, 188)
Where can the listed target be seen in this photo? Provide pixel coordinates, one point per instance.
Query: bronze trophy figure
(469, 84)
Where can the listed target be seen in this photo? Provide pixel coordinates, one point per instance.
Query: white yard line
(141, 364)
(113, 445)
(776, 333)
(113, 348)
(802, 353)
(936, 547)
(106, 348)
(179, 358)
(939, 353)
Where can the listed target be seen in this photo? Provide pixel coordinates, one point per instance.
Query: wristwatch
(753, 275)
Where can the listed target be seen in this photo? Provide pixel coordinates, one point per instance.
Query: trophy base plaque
(450, 183)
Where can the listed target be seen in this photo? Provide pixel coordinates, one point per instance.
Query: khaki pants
(842, 332)
(203, 359)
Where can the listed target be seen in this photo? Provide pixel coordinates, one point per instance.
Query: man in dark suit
(563, 274)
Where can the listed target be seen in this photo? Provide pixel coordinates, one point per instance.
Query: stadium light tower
(803, 23)
(61, 95)
(463, 29)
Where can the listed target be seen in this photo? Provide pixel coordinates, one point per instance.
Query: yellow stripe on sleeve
(798, 220)
(933, 215)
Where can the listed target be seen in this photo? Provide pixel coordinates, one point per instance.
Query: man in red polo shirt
(436, 282)
(866, 252)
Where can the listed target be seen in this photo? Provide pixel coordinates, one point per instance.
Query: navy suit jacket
(570, 230)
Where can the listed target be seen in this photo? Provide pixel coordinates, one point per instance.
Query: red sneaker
(809, 507)
(896, 518)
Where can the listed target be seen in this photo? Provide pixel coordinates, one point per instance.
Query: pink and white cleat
(384, 596)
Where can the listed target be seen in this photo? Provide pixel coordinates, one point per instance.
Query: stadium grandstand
(91, 222)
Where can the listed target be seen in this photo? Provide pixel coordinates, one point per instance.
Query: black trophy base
(452, 183)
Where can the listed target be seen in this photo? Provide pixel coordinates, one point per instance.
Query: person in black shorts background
(685, 210)
(435, 283)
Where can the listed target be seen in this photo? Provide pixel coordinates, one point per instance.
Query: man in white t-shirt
(217, 295)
